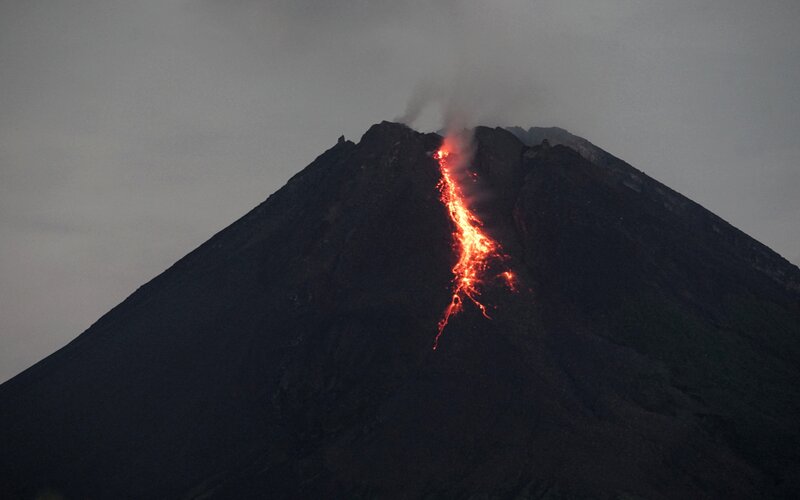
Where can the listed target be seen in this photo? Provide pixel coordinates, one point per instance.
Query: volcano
(648, 350)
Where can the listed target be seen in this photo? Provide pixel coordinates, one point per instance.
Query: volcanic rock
(651, 349)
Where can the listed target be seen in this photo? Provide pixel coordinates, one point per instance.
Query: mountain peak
(386, 131)
(648, 349)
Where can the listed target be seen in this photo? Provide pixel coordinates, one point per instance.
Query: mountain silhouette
(649, 350)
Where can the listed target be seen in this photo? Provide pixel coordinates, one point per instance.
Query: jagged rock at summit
(651, 350)
(535, 136)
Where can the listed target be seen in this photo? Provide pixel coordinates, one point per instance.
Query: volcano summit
(650, 350)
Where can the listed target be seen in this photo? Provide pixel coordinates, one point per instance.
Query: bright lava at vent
(475, 248)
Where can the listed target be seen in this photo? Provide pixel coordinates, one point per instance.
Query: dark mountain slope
(652, 349)
(623, 173)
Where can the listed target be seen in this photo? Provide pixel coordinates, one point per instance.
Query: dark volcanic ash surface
(652, 350)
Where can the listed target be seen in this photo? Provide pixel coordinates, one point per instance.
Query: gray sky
(132, 130)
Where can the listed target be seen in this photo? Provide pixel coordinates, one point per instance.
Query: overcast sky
(132, 130)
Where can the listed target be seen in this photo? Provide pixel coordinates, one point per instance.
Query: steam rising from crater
(470, 95)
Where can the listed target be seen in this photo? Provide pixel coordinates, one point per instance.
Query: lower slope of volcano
(652, 350)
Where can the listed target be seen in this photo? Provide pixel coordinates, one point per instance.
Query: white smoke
(474, 91)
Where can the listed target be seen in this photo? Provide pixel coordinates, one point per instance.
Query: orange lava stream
(476, 248)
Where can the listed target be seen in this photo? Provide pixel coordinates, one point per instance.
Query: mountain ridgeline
(650, 350)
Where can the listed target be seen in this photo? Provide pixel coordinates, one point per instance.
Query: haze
(131, 131)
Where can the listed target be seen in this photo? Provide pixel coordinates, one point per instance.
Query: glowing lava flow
(476, 249)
